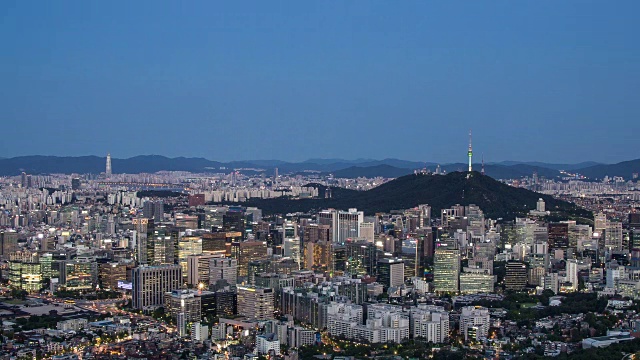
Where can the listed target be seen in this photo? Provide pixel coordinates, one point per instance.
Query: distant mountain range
(495, 198)
(390, 168)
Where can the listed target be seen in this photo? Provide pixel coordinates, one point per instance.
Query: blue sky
(554, 81)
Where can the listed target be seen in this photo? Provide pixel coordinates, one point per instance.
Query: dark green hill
(496, 199)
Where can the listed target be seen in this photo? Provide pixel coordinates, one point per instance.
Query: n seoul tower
(470, 152)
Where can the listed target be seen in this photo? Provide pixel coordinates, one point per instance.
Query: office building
(150, 283)
(362, 258)
(188, 246)
(223, 269)
(161, 246)
(79, 274)
(8, 242)
(248, 251)
(516, 276)
(25, 274)
(139, 241)
(475, 283)
(109, 274)
(446, 269)
(613, 236)
(153, 210)
(558, 235)
(255, 303)
(390, 272)
(183, 302)
(198, 269)
(344, 224)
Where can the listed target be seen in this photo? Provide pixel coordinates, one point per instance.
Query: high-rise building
(572, 272)
(344, 224)
(79, 274)
(217, 243)
(255, 303)
(247, 251)
(599, 223)
(150, 283)
(25, 271)
(140, 228)
(188, 246)
(558, 235)
(291, 249)
(153, 210)
(613, 236)
(367, 231)
(161, 246)
(234, 221)
(446, 269)
(107, 171)
(362, 258)
(8, 242)
(516, 275)
(390, 272)
(75, 184)
(424, 216)
(318, 256)
(223, 269)
(198, 271)
(476, 282)
(109, 274)
(185, 302)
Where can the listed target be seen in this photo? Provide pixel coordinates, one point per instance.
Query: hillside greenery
(496, 199)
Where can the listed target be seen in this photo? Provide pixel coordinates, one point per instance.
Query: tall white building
(107, 171)
(474, 320)
(572, 272)
(344, 224)
(199, 332)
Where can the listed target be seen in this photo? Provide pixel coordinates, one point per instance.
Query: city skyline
(537, 82)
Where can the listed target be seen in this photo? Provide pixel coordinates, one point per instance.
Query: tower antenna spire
(470, 152)
(482, 163)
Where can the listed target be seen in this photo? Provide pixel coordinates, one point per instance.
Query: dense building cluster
(185, 273)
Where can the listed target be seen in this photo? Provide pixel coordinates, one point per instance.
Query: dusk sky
(555, 81)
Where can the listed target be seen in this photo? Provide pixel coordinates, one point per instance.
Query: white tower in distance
(107, 171)
(470, 152)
